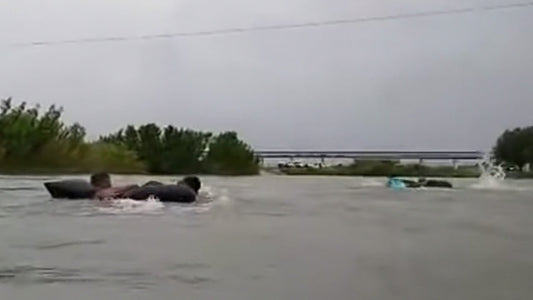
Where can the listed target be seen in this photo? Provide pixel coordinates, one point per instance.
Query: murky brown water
(270, 237)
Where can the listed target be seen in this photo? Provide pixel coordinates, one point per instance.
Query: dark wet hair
(193, 182)
(102, 180)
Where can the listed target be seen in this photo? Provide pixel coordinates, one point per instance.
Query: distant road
(379, 155)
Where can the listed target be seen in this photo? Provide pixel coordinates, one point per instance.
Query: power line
(276, 27)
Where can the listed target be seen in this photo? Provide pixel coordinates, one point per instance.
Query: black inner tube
(438, 183)
(165, 193)
(81, 189)
(70, 189)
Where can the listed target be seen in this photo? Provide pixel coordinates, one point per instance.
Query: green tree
(131, 138)
(515, 147)
(23, 132)
(150, 147)
(183, 150)
(229, 155)
(33, 141)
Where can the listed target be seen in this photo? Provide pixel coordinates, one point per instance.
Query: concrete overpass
(371, 155)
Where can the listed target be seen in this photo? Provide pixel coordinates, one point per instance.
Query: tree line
(32, 140)
(170, 150)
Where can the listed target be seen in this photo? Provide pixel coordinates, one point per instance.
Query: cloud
(447, 82)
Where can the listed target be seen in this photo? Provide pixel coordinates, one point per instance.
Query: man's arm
(120, 191)
(105, 194)
(115, 192)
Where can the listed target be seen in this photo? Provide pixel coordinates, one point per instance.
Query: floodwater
(270, 237)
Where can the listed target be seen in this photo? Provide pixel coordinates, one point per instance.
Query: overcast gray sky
(444, 82)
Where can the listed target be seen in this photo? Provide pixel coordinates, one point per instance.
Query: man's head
(193, 182)
(101, 180)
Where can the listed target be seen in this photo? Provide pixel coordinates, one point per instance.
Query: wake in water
(371, 182)
(207, 197)
(492, 176)
(129, 206)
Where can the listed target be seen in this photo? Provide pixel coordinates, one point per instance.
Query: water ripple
(192, 280)
(271, 213)
(69, 244)
(191, 266)
(136, 279)
(20, 188)
(32, 275)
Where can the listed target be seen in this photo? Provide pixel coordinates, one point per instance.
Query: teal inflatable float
(396, 184)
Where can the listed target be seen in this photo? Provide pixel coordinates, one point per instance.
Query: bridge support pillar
(455, 164)
(322, 160)
(421, 161)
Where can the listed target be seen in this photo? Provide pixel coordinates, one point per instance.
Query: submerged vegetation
(32, 141)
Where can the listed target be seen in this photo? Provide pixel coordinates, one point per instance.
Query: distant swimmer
(398, 183)
(104, 190)
(434, 183)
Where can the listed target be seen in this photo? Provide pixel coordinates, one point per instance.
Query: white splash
(371, 182)
(208, 197)
(223, 198)
(212, 195)
(129, 206)
(206, 194)
(492, 175)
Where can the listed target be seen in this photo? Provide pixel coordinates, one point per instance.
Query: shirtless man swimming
(104, 191)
